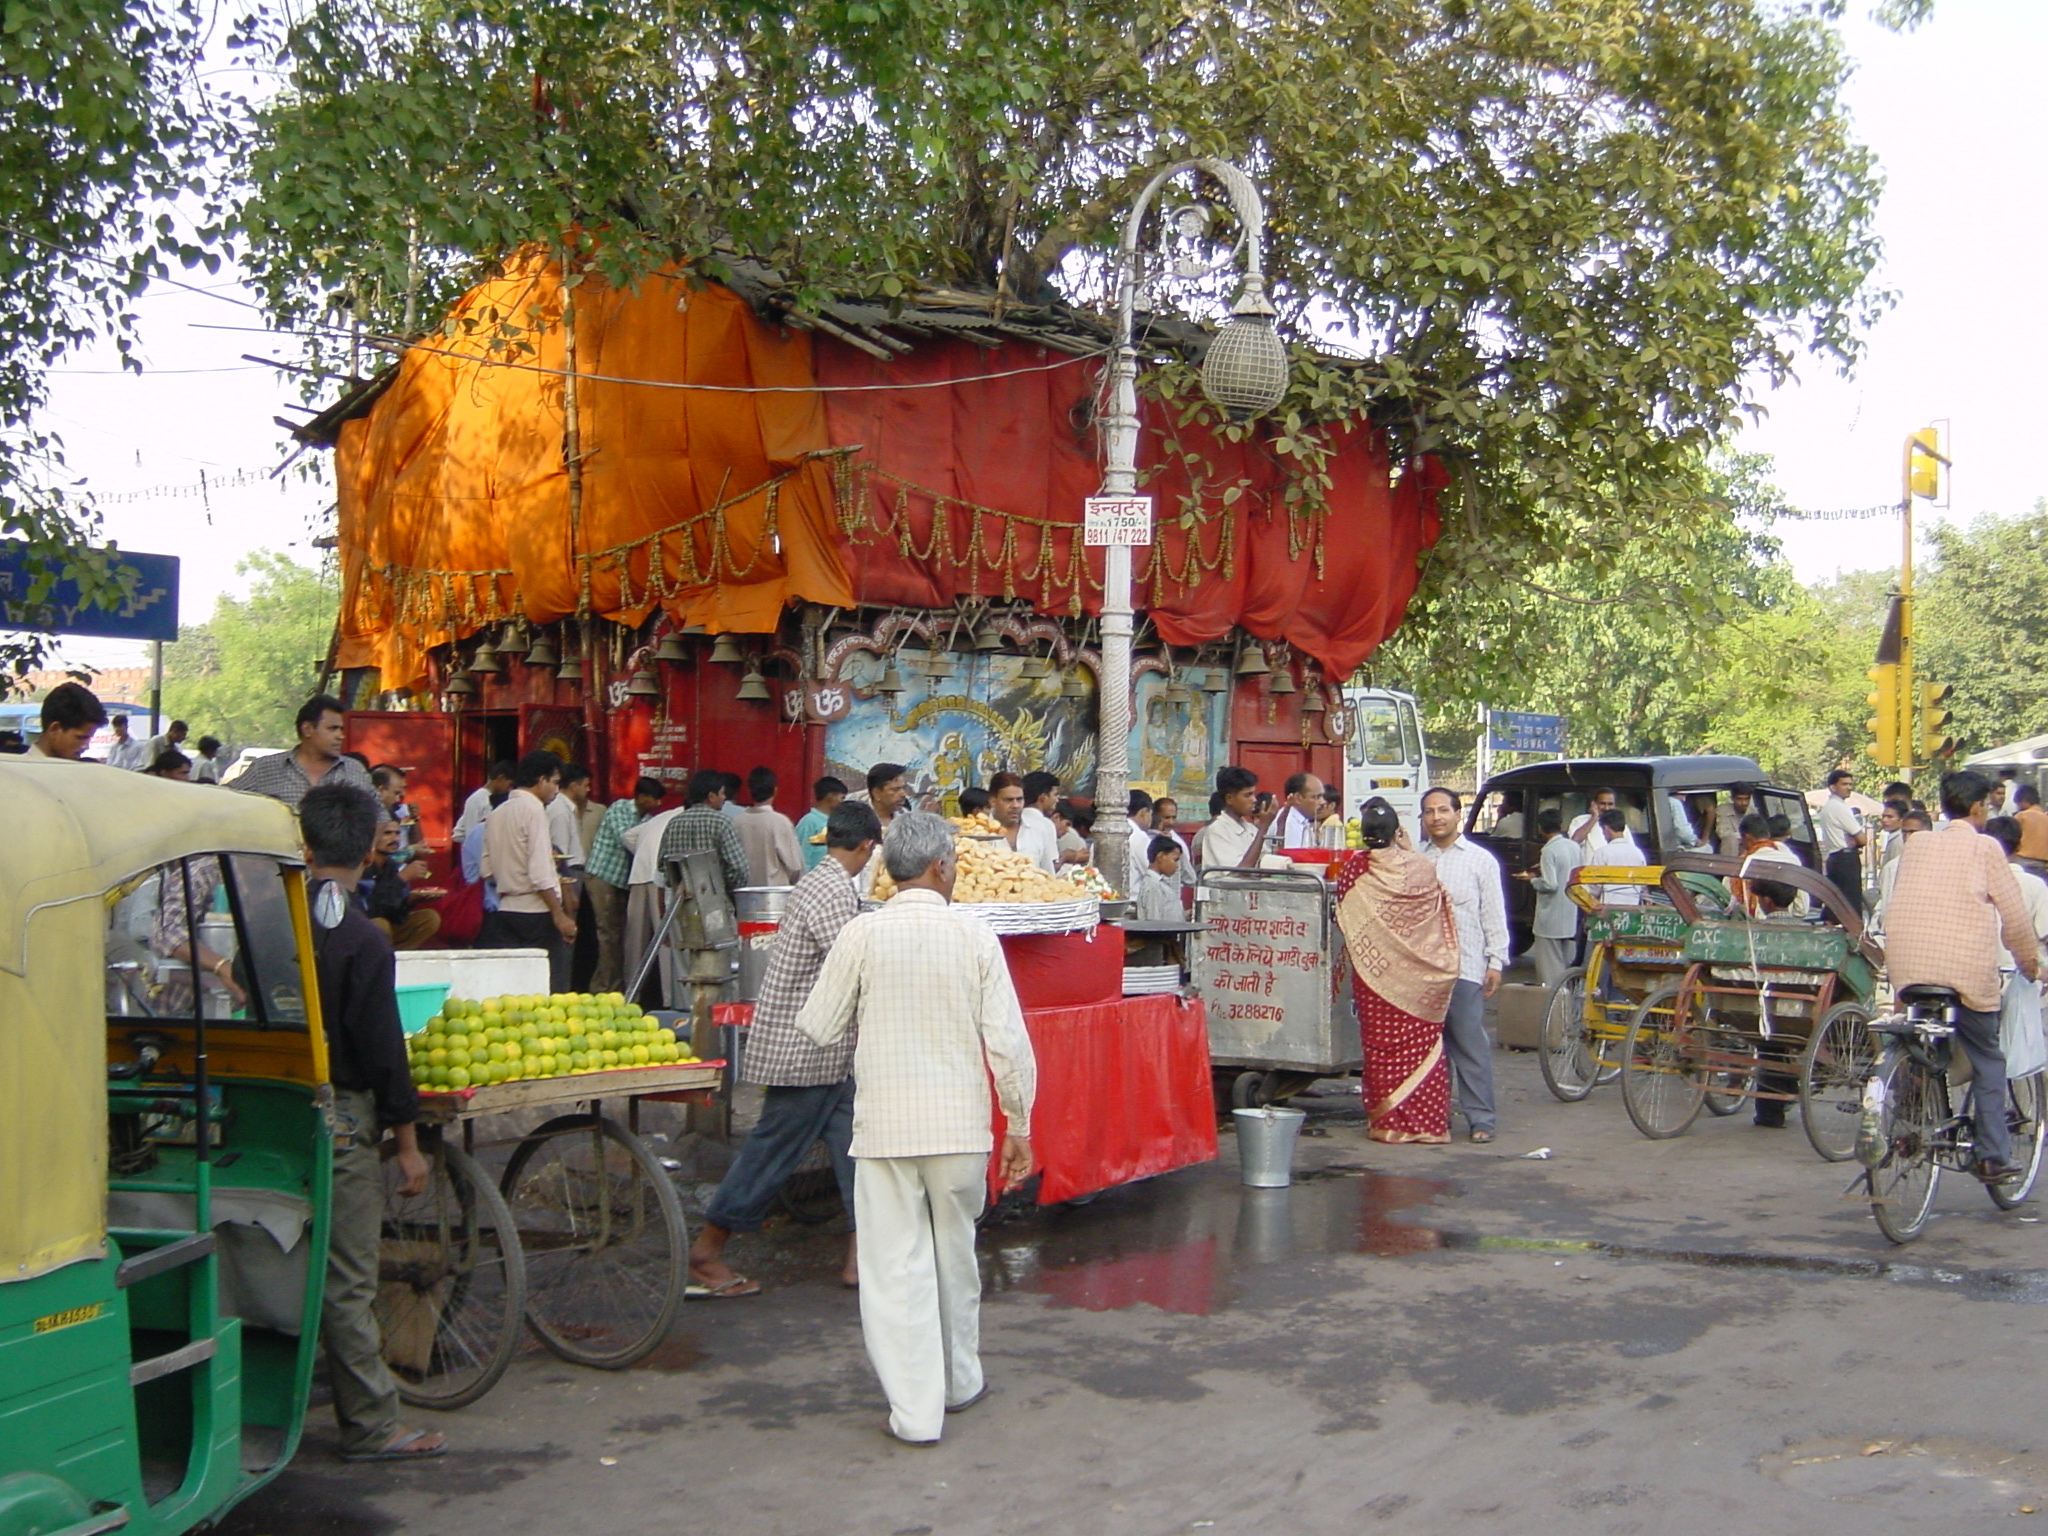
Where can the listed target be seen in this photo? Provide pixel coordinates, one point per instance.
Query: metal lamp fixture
(671, 648)
(644, 685)
(727, 650)
(1245, 371)
(753, 686)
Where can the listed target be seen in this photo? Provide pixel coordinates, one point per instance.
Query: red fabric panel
(1065, 970)
(1012, 444)
(1123, 1093)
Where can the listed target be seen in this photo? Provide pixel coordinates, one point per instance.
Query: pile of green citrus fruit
(511, 1039)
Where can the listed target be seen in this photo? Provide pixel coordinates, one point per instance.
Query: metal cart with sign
(1278, 1017)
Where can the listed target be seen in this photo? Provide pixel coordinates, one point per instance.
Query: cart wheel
(451, 1282)
(1728, 1085)
(1903, 1184)
(1251, 1090)
(1563, 1050)
(1660, 1089)
(2024, 1102)
(606, 1248)
(1832, 1070)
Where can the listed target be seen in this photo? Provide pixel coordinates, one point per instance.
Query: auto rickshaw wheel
(606, 1244)
(451, 1281)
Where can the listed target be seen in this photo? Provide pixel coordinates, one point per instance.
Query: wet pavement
(1622, 1336)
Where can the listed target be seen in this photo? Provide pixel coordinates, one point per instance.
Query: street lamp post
(1245, 372)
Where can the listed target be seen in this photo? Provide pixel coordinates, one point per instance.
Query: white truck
(1385, 754)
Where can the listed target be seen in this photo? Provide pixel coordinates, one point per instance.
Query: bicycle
(1908, 1132)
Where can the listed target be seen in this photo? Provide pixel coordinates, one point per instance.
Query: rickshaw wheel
(1727, 1087)
(1661, 1090)
(451, 1282)
(2025, 1098)
(605, 1240)
(1832, 1071)
(1563, 1051)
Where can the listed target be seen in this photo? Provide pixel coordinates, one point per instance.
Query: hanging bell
(1076, 686)
(727, 650)
(753, 686)
(1216, 680)
(459, 687)
(542, 652)
(1035, 666)
(485, 661)
(892, 680)
(1177, 693)
(939, 668)
(1315, 703)
(643, 686)
(570, 671)
(987, 637)
(671, 648)
(1253, 662)
(1283, 682)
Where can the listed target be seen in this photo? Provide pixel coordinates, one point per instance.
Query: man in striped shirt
(929, 1000)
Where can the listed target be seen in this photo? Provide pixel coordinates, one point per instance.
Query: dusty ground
(1418, 1339)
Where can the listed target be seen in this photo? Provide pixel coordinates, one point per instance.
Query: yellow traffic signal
(1884, 720)
(1925, 449)
(1935, 719)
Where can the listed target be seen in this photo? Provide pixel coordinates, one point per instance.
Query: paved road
(1411, 1339)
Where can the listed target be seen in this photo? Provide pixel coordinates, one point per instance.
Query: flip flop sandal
(405, 1448)
(737, 1286)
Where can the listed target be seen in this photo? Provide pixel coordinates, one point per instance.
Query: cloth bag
(2019, 1028)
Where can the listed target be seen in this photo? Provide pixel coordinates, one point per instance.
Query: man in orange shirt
(2033, 828)
(1954, 900)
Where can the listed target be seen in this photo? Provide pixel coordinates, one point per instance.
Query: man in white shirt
(1556, 924)
(935, 1017)
(497, 784)
(1842, 838)
(1037, 838)
(1621, 851)
(520, 857)
(1165, 823)
(1471, 878)
(1300, 816)
(768, 836)
(126, 751)
(206, 769)
(1586, 830)
(1138, 812)
(1234, 839)
(172, 740)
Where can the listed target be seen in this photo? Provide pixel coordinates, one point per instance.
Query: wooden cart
(581, 1237)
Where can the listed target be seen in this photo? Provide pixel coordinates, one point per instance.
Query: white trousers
(920, 1288)
(1553, 958)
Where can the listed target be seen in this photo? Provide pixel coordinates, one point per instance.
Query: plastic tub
(419, 1002)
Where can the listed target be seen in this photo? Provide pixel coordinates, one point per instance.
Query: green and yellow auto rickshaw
(165, 1148)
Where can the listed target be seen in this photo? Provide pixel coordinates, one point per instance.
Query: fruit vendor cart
(579, 1236)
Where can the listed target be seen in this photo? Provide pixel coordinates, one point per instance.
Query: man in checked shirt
(808, 1088)
(929, 1001)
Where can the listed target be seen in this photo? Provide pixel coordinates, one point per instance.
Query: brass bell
(1076, 686)
(753, 686)
(1216, 680)
(1253, 662)
(542, 652)
(1035, 666)
(1283, 682)
(671, 648)
(987, 637)
(486, 662)
(1315, 703)
(1177, 693)
(459, 687)
(643, 686)
(727, 650)
(892, 680)
(570, 671)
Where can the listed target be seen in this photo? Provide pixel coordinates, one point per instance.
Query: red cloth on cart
(1123, 1093)
(1066, 970)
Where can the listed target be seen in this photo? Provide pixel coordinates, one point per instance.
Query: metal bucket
(760, 903)
(1265, 1145)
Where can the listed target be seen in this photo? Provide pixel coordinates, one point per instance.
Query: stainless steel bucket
(760, 903)
(1265, 1145)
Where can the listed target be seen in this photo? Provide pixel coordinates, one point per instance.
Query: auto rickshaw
(166, 1143)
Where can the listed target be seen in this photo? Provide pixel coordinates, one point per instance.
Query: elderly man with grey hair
(935, 1018)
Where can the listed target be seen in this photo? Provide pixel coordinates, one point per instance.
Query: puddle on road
(1174, 1243)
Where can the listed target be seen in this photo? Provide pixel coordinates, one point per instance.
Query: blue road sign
(1514, 730)
(151, 614)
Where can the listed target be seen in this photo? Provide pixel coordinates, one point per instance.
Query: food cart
(1279, 1011)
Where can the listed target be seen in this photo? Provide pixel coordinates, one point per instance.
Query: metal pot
(760, 903)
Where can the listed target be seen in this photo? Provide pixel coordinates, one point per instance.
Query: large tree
(243, 673)
(1981, 623)
(1565, 238)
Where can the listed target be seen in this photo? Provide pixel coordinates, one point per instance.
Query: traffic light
(1935, 719)
(1926, 463)
(1884, 719)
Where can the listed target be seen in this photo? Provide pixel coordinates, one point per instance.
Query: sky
(1953, 110)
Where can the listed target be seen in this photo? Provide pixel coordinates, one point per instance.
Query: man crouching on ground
(929, 998)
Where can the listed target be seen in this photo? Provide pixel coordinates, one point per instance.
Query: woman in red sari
(1402, 945)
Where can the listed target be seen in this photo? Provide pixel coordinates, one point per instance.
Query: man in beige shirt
(935, 1017)
(1953, 900)
(520, 857)
(768, 836)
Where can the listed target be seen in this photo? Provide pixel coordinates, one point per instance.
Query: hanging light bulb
(727, 650)
(643, 686)
(1253, 662)
(753, 686)
(1283, 682)
(671, 648)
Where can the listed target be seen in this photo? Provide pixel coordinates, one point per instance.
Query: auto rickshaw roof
(1707, 771)
(77, 830)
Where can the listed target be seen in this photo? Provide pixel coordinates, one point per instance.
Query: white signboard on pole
(1117, 520)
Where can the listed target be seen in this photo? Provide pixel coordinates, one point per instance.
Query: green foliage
(244, 673)
(1981, 623)
(102, 127)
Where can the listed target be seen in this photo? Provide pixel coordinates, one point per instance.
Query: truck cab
(1385, 754)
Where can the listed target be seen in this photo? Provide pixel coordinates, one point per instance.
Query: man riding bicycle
(1954, 898)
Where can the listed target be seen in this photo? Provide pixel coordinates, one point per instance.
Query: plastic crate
(419, 1002)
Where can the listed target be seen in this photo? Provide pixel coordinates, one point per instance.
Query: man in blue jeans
(808, 1088)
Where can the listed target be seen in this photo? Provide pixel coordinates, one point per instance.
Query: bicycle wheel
(1729, 1081)
(451, 1283)
(1661, 1090)
(604, 1236)
(1832, 1070)
(2025, 1100)
(1563, 1050)
(1902, 1185)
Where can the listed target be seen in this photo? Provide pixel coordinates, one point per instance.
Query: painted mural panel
(1176, 743)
